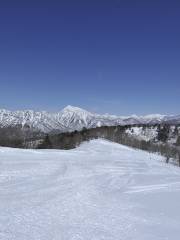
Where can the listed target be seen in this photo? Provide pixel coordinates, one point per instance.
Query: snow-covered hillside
(101, 190)
(74, 118)
(150, 133)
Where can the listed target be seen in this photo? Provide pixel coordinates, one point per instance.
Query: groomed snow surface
(100, 190)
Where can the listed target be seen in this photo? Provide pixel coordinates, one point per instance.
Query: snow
(146, 134)
(74, 118)
(101, 190)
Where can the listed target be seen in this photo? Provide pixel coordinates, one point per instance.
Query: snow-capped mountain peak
(71, 108)
(74, 118)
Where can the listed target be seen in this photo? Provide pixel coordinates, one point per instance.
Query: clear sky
(121, 57)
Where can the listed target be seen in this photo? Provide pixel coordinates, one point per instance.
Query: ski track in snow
(99, 191)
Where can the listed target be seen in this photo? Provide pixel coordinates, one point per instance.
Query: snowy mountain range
(73, 118)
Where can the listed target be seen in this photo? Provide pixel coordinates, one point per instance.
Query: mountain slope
(100, 190)
(74, 118)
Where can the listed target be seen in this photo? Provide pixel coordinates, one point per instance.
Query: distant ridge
(74, 118)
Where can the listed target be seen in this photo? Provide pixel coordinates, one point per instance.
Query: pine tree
(46, 144)
(163, 133)
(178, 141)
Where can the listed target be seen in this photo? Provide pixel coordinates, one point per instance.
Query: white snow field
(101, 190)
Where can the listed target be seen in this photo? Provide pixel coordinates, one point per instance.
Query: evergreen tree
(163, 133)
(46, 144)
(178, 141)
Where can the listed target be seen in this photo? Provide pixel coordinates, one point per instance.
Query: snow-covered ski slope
(100, 190)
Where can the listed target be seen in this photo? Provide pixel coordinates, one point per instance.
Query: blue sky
(121, 57)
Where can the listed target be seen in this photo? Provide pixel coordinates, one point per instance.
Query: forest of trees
(18, 136)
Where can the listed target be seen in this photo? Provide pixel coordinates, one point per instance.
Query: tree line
(19, 136)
